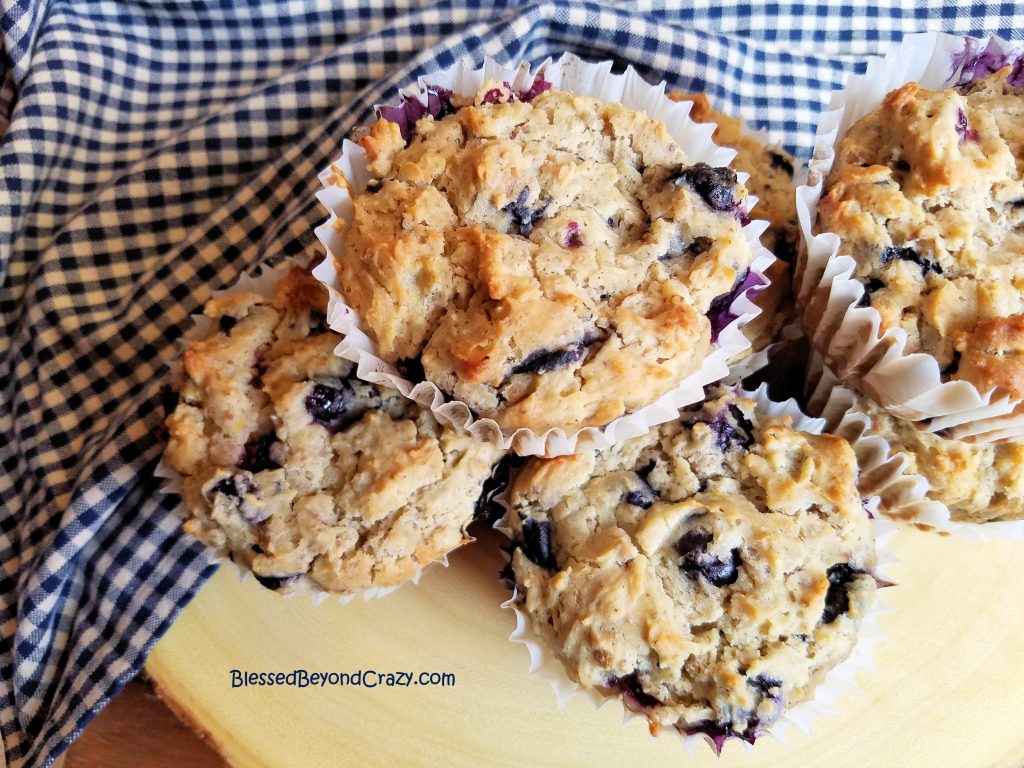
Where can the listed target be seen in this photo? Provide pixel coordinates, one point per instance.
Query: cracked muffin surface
(301, 472)
(711, 572)
(549, 259)
(926, 196)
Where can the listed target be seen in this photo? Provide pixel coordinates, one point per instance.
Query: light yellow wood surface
(947, 692)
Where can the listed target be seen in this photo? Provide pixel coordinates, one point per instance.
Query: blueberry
(486, 508)
(538, 87)
(573, 238)
(965, 132)
(764, 684)
(716, 186)
(547, 360)
(537, 543)
(837, 600)
(696, 247)
(871, 285)
(524, 217)
(692, 546)
(745, 431)
(494, 95)
(226, 323)
(906, 253)
(261, 454)
(730, 428)
(228, 487)
(632, 689)
(643, 497)
(330, 404)
(892, 252)
(373, 186)
(780, 162)
(276, 582)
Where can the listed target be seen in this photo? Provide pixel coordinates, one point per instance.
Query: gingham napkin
(151, 151)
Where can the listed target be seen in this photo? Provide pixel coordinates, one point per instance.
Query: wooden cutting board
(948, 689)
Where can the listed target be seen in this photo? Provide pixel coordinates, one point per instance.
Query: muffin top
(979, 483)
(300, 471)
(927, 197)
(549, 259)
(711, 572)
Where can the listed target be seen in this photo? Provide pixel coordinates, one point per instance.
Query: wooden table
(137, 730)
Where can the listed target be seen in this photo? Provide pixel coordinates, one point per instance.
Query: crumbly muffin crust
(979, 483)
(926, 195)
(771, 181)
(550, 262)
(711, 572)
(301, 472)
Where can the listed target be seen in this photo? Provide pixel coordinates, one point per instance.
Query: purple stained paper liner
(575, 75)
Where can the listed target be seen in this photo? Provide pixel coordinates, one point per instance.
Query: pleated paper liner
(909, 385)
(904, 496)
(577, 76)
(262, 280)
(839, 681)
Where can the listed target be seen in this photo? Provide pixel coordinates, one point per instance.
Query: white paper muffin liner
(839, 681)
(572, 74)
(262, 280)
(902, 495)
(907, 384)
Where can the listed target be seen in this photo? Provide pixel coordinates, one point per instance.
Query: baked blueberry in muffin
(926, 196)
(303, 473)
(710, 572)
(549, 259)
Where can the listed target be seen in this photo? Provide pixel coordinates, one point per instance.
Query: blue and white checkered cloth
(151, 151)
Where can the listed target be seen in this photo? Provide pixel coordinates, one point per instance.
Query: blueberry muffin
(303, 473)
(927, 197)
(551, 260)
(710, 572)
(978, 482)
(771, 181)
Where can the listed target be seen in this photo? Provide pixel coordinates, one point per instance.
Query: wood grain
(137, 730)
(947, 692)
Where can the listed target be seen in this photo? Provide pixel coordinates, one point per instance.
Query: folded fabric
(152, 151)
